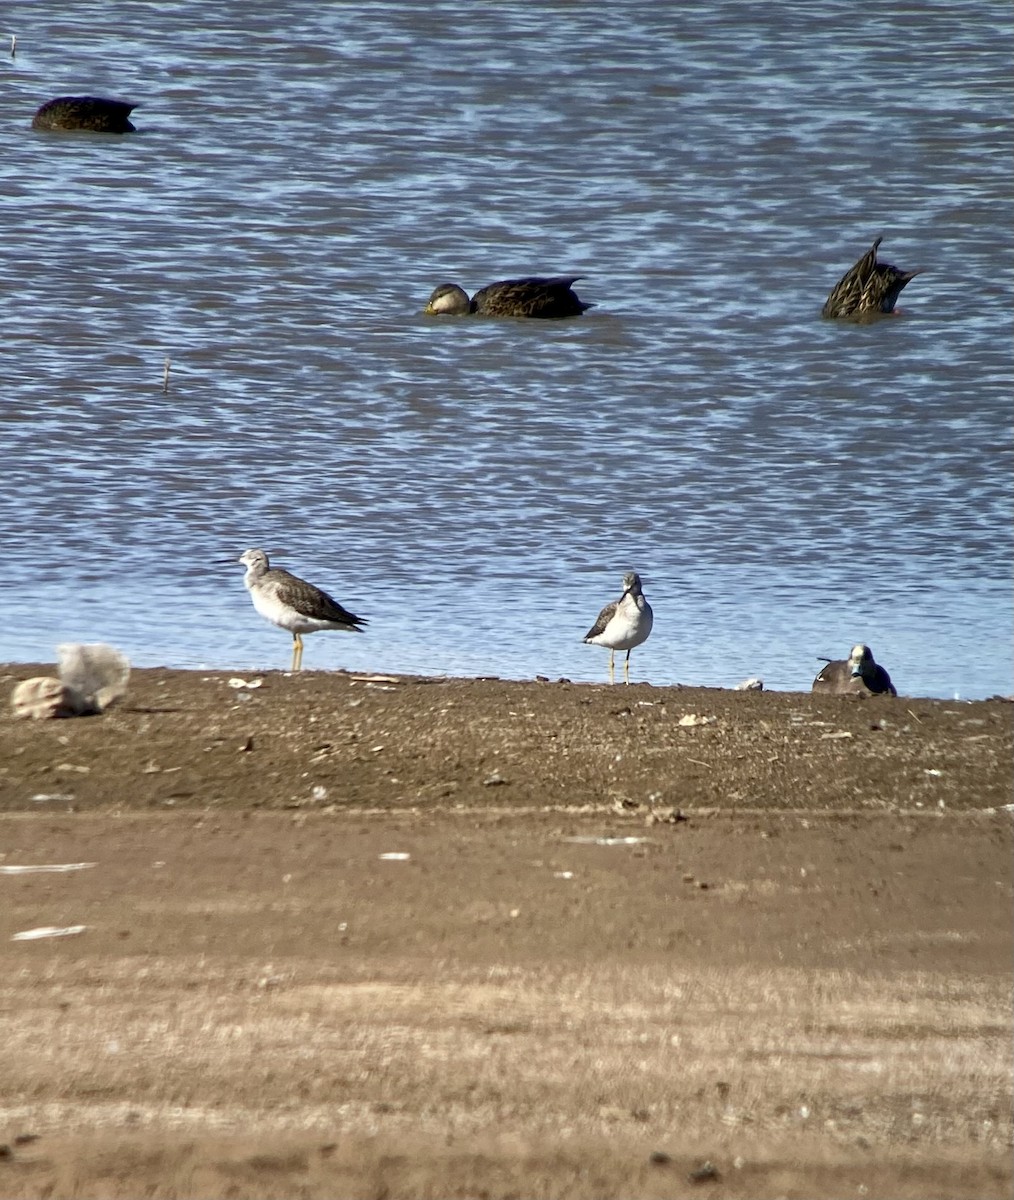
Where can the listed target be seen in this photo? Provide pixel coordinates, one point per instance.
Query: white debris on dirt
(753, 684)
(91, 678)
(47, 931)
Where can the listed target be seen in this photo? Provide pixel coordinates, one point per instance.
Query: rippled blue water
(304, 174)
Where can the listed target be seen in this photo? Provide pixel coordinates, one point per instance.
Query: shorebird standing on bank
(623, 624)
(292, 603)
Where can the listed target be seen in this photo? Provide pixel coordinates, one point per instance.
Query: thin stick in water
(165, 377)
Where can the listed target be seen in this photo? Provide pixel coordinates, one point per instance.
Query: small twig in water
(14, 45)
(165, 377)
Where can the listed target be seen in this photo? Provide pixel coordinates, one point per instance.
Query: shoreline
(183, 737)
(17, 668)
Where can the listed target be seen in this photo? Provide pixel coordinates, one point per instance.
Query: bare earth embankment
(613, 955)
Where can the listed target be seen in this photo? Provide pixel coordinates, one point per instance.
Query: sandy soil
(617, 952)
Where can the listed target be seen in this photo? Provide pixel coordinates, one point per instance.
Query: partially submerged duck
(867, 289)
(532, 297)
(95, 114)
(858, 673)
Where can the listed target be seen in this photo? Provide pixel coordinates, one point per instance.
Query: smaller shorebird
(291, 603)
(858, 673)
(623, 624)
(92, 113)
(533, 297)
(867, 289)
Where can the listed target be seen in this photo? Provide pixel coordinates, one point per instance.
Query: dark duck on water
(94, 114)
(530, 297)
(868, 289)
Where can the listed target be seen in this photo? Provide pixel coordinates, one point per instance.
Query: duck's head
(448, 300)
(860, 660)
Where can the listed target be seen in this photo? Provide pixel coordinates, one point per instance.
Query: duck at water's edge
(857, 674)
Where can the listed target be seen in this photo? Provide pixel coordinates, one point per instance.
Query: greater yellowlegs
(534, 297)
(292, 603)
(857, 673)
(95, 114)
(623, 624)
(867, 288)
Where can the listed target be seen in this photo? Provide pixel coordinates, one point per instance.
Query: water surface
(300, 180)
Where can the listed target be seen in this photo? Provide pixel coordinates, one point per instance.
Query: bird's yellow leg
(297, 652)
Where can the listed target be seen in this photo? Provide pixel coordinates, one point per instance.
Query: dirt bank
(613, 943)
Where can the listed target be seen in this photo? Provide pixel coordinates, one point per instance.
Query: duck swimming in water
(867, 289)
(92, 113)
(531, 297)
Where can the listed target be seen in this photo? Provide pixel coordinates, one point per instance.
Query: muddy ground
(472, 938)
